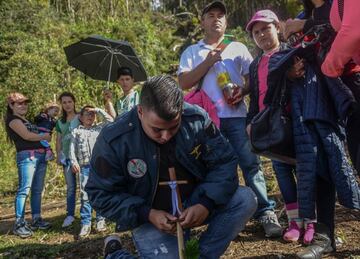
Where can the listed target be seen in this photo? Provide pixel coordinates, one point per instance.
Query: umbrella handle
(111, 61)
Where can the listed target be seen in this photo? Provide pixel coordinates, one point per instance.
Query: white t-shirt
(237, 59)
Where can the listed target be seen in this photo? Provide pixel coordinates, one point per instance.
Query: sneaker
(309, 233)
(271, 224)
(101, 225)
(21, 229)
(321, 244)
(68, 221)
(111, 244)
(85, 231)
(39, 223)
(292, 233)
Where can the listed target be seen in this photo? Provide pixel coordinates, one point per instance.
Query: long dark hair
(63, 112)
(9, 113)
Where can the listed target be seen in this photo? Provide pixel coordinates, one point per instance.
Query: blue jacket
(116, 190)
(319, 143)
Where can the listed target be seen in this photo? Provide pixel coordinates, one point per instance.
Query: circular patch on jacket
(136, 167)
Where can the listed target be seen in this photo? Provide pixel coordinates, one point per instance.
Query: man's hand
(292, 26)
(297, 70)
(107, 94)
(238, 95)
(75, 169)
(213, 57)
(193, 216)
(163, 221)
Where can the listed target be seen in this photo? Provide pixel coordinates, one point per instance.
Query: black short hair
(83, 109)
(162, 95)
(124, 71)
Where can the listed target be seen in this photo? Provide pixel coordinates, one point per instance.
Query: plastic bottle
(224, 81)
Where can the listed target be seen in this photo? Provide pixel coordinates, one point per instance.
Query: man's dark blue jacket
(117, 191)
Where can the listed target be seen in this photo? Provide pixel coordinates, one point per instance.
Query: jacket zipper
(157, 174)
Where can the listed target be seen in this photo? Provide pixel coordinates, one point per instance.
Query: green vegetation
(34, 33)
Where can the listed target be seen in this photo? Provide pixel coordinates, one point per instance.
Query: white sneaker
(101, 225)
(85, 231)
(68, 221)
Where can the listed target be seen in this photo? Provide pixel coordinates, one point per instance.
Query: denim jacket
(125, 163)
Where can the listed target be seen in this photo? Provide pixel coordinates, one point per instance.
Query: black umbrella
(100, 58)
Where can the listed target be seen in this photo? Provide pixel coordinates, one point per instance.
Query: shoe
(85, 231)
(68, 221)
(39, 223)
(101, 225)
(21, 229)
(271, 224)
(309, 233)
(292, 233)
(321, 244)
(111, 244)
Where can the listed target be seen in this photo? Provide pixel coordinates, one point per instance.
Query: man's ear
(140, 111)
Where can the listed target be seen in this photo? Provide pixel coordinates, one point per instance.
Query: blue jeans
(31, 170)
(234, 129)
(286, 175)
(70, 179)
(85, 209)
(224, 224)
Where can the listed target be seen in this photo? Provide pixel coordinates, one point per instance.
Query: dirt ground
(250, 243)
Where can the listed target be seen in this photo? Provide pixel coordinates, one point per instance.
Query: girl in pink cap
(264, 29)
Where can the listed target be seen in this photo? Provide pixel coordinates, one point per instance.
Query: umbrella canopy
(100, 58)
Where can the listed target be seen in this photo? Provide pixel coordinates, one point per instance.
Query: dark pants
(353, 123)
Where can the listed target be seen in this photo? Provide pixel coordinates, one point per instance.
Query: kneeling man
(131, 162)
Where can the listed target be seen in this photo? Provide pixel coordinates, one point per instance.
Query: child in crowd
(130, 95)
(46, 121)
(82, 142)
(264, 29)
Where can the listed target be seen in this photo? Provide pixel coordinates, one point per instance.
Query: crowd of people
(153, 162)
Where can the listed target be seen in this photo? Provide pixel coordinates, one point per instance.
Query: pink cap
(262, 16)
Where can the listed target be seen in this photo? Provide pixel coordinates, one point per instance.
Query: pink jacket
(346, 45)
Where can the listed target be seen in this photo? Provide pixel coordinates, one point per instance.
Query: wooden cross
(179, 230)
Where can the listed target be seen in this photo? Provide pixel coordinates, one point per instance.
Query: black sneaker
(111, 244)
(270, 224)
(39, 223)
(321, 244)
(21, 229)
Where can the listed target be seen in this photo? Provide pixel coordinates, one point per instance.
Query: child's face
(126, 82)
(53, 112)
(88, 118)
(265, 35)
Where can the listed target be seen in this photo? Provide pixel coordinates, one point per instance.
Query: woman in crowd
(264, 29)
(68, 121)
(31, 164)
(343, 60)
